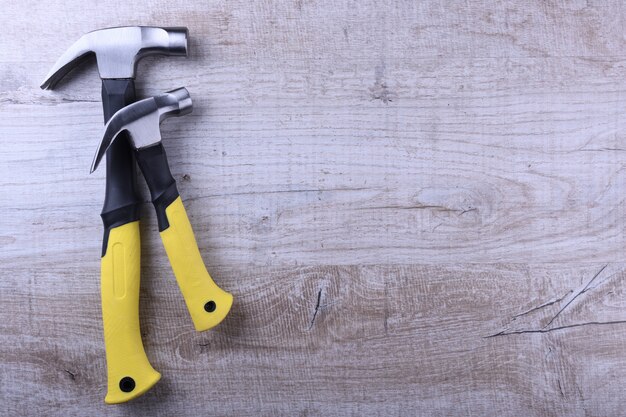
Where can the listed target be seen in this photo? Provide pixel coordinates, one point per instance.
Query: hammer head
(118, 50)
(142, 119)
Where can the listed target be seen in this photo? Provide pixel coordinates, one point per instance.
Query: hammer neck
(116, 94)
(121, 204)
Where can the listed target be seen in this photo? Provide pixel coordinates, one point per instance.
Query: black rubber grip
(155, 169)
(121, 204)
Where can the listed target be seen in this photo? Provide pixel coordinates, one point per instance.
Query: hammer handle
(208, 304)
(129, 371)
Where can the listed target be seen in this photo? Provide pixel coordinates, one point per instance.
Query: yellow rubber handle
(129, 372)
(207, 303)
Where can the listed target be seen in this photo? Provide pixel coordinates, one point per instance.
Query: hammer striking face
(118, 50)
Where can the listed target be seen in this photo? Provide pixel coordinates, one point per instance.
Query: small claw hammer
(208, 304)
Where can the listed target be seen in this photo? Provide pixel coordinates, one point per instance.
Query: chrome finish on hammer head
(118, 50)
(141, 120)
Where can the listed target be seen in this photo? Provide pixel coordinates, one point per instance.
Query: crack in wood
(419, 207)
(554, 329)
(576, 296)
(263, 192)
(546, 328)
(546, 304)
(317, 308)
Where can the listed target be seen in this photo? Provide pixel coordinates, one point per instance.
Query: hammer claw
(111, 133)
(76, 53)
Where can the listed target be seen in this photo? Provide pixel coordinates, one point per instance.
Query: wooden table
(419, 207)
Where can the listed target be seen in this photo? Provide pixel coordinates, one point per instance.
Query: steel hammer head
(142, 119)
(118, 50)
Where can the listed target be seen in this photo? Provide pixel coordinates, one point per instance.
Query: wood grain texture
(417, 205)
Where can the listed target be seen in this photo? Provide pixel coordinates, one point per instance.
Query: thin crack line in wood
(308, 190)
(44, 101)
(554, 329)
(317, 308)
(576, 296)
(419, 207)
(546, 304)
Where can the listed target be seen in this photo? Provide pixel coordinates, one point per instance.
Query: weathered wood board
(417, 205)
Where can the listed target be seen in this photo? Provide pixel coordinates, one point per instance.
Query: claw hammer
(207, 303)
(117, 51)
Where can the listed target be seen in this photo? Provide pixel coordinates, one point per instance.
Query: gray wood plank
(402, 146)
(418, 206)
(407, 340)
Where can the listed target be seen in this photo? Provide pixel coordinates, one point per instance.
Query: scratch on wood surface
(419, 207)
(71, 374)
(546, 329)
(539, 307)
(585, 288)
(45, 99)
(317, 308)
(558, 381)
(554, 329)
(295, 191)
